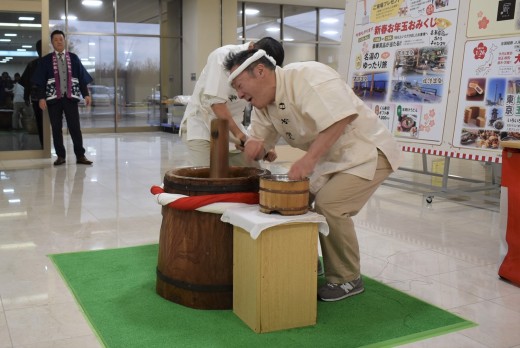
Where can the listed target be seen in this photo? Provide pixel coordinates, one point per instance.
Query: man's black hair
(39, 47)
(57, 32)
(272, 47)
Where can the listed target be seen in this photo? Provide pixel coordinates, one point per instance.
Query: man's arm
(222, 112)
(323, 142)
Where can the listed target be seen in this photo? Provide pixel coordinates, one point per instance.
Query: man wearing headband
(348, 151)
(214, 97)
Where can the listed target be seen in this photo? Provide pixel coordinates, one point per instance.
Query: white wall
(203, 32)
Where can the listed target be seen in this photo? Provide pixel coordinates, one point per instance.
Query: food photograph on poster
(490, 108)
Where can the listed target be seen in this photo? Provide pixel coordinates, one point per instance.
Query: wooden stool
(274, 276)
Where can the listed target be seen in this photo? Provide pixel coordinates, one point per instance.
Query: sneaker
(335, 292)
(321, 271)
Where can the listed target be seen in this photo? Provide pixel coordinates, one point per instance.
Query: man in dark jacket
(62, 80)
(30, 90)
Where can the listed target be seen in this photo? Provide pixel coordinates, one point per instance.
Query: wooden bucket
(195, 262)
(279, 194)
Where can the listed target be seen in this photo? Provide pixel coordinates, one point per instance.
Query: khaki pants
(199, 154)
(342, 197)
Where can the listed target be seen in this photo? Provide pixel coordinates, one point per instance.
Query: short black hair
(236, 59)
(272, 47)
(39, 47)
(57, 32)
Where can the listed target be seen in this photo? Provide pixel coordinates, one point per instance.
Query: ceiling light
(5, 40)
(288, 39)
(252, 11)
(8, 24)
(92, 3)
(26, 18)
(272, 29)
(70, 17)
(330, 32)
(329, 20)
(26, 46)
(10, 34)
(30, 25)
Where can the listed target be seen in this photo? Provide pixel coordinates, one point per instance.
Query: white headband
(258, 54)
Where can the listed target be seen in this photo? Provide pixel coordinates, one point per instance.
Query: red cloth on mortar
(194, 202)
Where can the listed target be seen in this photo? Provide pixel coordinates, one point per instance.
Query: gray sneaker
(335, 292)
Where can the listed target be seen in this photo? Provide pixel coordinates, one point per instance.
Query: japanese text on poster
(400, 63)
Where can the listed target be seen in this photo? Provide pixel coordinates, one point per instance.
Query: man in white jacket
(348, 151)
(213, 97)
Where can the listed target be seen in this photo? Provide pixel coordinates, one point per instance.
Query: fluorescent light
(21, 50)
(18, 54)
(288, 39)
(70, 17)
(272, 29)
(8, 24)
(92, 3)
(26, 46)
(329, 20)
(252, 11)
(5, 40)
(8, 190)
(30, 25)
(330, 32)
(26, 18)
(92, 44)
(10, 34)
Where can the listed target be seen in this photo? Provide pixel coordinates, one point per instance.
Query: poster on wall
(400, 63)
(489, 98)
(488, 18)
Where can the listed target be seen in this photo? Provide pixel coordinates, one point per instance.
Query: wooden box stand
(274, 276)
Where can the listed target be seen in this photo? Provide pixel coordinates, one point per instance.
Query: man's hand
(254, 149)
(88, 100)
(270, 156)
(302, 168)
(43, 104)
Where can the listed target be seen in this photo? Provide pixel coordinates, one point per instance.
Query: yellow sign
(384, 10)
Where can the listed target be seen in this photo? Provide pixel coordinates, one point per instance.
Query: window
(307, 33)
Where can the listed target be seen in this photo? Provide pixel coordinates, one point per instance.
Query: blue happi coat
(44, 78)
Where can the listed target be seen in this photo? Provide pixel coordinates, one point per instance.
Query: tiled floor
(446, 253)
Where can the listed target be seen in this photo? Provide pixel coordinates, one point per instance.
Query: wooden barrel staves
(195, 262)
(279, 194)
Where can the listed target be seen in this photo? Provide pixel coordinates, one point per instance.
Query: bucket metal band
(283, 191)
(193, 287)
(214, 189)
(283, 209)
